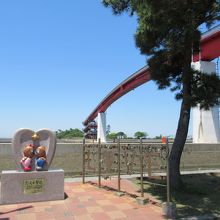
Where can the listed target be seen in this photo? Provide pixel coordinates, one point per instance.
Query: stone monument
(33, 180)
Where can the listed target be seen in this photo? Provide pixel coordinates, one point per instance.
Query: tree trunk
(183, 124)
(177, 148)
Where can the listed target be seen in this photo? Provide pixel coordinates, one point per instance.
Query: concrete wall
(69, 157)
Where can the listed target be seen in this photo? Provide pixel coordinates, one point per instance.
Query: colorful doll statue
(28, 154)
(41, 161)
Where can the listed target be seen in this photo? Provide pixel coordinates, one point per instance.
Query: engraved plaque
(34, 186)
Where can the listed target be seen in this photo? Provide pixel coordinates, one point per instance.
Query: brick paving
(87, 202)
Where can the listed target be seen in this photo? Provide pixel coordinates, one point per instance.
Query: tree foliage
(115, 135)
(68, 134)
(140, 134)
(158, 137)
(168, 33)
(121, 135)
(112, 135)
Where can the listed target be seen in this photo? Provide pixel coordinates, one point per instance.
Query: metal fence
(106, 160)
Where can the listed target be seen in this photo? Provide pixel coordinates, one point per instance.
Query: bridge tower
(101, 127)
(205, 124)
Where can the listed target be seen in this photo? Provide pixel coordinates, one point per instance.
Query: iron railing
(116, 159)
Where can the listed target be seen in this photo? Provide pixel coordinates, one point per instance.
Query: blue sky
(59, 59)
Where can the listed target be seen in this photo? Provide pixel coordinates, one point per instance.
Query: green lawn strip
(200, 196)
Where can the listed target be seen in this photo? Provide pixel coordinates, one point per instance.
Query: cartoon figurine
(41, 161)
(28, 154)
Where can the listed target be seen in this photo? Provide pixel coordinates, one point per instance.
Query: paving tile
(83, 217)
(155, 208)
(104, 202)
(84, 198)
(94, 209)
(7, 216)
(78, 211)
(116, 214)
(41, 208)
(29, 216)
(86, 202)
(59, 202)
(110, 208)
(64, 215)
(57, 208)
(44, 215)
(78, 190)
(124, 206)
(100, 216)
(8, 207)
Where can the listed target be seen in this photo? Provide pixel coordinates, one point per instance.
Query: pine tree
(168, 32)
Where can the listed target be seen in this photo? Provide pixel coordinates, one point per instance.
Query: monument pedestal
(20, 187)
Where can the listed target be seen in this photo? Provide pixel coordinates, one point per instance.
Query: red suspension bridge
(209, 50)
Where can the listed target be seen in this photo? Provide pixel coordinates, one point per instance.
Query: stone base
(169, 209)
(142, 200)
(120, 194)
(20, 187)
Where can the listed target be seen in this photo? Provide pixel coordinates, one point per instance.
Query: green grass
(200, 196)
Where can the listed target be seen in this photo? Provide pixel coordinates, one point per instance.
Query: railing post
(83, 171)
(99, 162)
(119, 165)
(168, 208)
(168, 172)
(141, 200)
(149, 165)
(141, 167)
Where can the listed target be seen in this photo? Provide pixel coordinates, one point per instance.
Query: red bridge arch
(209, 50)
